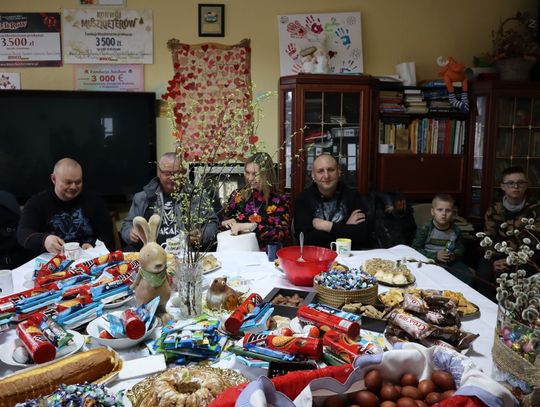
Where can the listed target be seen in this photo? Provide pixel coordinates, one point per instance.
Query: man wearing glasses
(157, 197)
(514, 206)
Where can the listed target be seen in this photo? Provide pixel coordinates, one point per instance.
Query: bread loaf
(42, 380)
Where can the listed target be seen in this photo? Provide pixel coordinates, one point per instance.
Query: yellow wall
(393, 31)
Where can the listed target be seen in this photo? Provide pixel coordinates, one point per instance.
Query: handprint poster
(321, 43)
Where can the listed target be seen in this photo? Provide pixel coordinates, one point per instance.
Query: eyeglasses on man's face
(166, 173)
(515, 184)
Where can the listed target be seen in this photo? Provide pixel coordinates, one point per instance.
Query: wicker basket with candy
(336, 288)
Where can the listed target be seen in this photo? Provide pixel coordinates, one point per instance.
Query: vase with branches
(215, 143)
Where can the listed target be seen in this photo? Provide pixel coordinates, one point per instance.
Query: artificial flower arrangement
(517, 340)
(516, 37)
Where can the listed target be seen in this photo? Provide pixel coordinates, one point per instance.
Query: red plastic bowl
(317, 259)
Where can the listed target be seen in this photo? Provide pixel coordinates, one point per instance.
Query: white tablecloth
(261, 276)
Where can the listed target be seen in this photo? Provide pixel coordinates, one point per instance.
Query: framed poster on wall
(211, 20)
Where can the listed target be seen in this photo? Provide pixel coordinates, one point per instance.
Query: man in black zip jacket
(328, 209)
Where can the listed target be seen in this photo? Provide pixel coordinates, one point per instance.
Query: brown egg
(406, 402)
(426, 386)
(412, 392)
(389, 392)
(420, 403)
(366, 398)
(388, 403)
(432, 398)
(447, 393)
(335, 401)
(443, 380)
(373, 381)
(408, 379)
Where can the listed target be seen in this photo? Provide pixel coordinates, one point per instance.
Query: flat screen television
(111, 134)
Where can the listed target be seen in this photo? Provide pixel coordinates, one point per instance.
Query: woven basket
(337, 298)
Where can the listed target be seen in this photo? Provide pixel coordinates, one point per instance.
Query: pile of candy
(192, 340)
(77, 395)
(349, 280)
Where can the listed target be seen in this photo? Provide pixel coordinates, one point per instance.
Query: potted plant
(515, 47)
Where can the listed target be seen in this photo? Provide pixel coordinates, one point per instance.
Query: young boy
(440, 239)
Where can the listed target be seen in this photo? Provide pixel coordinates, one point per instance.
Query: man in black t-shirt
(64, 214)
(157, 197)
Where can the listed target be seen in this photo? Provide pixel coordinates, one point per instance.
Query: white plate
(101, 323)
(119, 303)
(212, 269)
(6, 350)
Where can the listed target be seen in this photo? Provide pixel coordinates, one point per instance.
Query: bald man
(328, 209)
(64, 213)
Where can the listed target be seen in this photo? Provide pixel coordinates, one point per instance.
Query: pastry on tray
(388, 272)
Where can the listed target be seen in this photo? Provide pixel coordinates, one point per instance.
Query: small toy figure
(453, 71)
(221, 296)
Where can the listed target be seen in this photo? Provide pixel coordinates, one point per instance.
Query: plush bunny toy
(151, 279)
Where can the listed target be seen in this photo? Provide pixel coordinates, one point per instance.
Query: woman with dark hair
(258, 207)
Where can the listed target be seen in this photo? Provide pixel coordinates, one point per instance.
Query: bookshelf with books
(505, 131)
(422, 148)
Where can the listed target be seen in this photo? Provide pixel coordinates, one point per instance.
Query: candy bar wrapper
(336, 311)
(53, 331)
(121, 268)
(309, 347)
(147, 311)
(346, 349)
(325, 321)
(455, 336)
(74, 304)
(270, 352)
(412, 325)
(51, 266)
(413, 303)
(51, 278)
(7, 303)
(341, 345)
(234, 322)
(106, 258)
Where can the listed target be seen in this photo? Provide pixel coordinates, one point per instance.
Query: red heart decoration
(204, 47)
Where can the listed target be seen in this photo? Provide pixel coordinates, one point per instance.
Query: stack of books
(414, 101)
(436, 95)
(391, 101)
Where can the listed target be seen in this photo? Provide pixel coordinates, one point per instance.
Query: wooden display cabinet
(420, 151)
(505, 132)
(325, 114)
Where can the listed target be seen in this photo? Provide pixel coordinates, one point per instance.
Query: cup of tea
(173, 245)
(342, 246)
(72, 250)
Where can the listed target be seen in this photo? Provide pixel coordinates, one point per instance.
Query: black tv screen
(111, 134)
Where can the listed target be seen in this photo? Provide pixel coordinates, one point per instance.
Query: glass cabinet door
(478, 156)
(517, 141)
(288, 134)
(332, 125)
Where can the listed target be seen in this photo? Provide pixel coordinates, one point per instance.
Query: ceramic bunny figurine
(151, 280)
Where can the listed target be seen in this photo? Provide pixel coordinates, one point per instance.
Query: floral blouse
(273, 220)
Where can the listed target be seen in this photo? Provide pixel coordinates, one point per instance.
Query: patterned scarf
(154, 279)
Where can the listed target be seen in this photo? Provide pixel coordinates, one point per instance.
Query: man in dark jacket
(157, 197)
(329, 209)
(65, 213)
